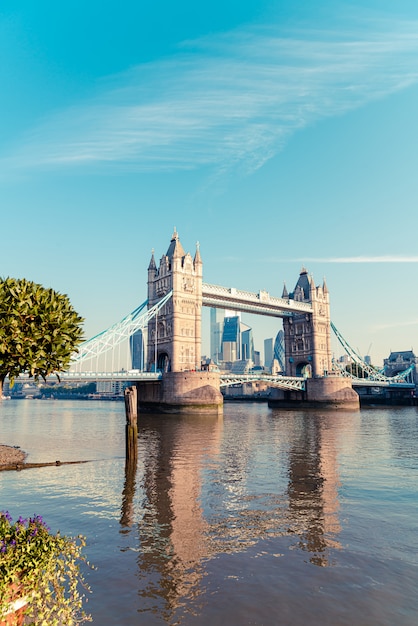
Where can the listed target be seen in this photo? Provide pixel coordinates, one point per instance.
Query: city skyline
(279, 135)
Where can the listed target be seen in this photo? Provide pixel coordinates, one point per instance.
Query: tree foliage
(355, 369)
(39, 330)
(67, 390)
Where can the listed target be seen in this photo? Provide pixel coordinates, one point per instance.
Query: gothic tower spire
(174, 335)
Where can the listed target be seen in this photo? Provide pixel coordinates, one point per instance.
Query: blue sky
(276, 133)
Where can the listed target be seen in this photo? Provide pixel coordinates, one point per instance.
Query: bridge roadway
(287, 382)
(261, 303)
(284, 382)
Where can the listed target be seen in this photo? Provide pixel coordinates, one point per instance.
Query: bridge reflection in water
(199, 491)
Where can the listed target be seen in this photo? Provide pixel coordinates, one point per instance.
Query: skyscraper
(279, 353)
(216, 330)
(136, 345)
(231, 339)
(247, 342)
(268, 353)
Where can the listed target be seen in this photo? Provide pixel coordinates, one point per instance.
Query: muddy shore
(10, 455)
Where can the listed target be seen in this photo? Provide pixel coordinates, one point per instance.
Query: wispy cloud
(395, 324)
(334, 259)
(225, 101)
(356, 259)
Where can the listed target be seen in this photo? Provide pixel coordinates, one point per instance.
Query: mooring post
(131, 428)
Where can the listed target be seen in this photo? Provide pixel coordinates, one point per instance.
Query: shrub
(44, 568)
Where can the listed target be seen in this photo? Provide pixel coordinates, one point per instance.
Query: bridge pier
(182, 393)
(326, 392)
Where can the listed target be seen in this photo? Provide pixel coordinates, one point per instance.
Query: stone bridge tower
(307, 336)
(174, 335)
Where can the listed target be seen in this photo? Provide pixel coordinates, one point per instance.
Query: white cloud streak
(226, 101)
(397, 324)
(345, 260)
(357, 259)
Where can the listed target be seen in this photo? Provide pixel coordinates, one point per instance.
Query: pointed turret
(325, 286)
(303, 286)
(285, 293)
(152, 265)
(197, 258)
(175, 248)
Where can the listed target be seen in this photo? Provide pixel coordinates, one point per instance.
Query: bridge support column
(181, 392)
(328, 392)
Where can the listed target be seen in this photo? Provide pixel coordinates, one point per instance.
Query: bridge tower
(308, 335)
(174, 335)
(174, 338)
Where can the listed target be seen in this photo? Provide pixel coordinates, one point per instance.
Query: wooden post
(131, 428)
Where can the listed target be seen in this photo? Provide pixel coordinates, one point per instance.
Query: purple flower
(7, 515)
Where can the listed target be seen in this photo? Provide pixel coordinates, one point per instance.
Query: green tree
(355, 369)
(39, 330)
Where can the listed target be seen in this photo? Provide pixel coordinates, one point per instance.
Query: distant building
(279, 353)
(257, 359)
(247, 342)
(208, 365)
(344, 359)
(136, 345)
(111, 387)
(399, 362)
(268, 353)
(231, 339)
(216, 330)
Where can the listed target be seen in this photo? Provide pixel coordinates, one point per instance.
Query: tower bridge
(171, 318)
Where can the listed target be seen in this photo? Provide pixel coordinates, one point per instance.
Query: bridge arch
(304, 369)
(163, 362)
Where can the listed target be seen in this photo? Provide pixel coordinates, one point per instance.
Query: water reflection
(313, 487)
(127, 518)
(201, 487)
(173, 531)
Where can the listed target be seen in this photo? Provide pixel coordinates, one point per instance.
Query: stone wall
(181, 392)
(329, 392)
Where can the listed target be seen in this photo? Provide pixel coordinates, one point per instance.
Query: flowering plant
(44, 569)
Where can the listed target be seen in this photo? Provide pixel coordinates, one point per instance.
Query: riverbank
(10, 455)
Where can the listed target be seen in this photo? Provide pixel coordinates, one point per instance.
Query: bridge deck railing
(215, 295)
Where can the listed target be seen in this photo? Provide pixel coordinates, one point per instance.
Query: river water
(258, 517)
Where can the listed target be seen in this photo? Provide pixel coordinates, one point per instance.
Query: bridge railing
(224, 296)
(296, 383)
